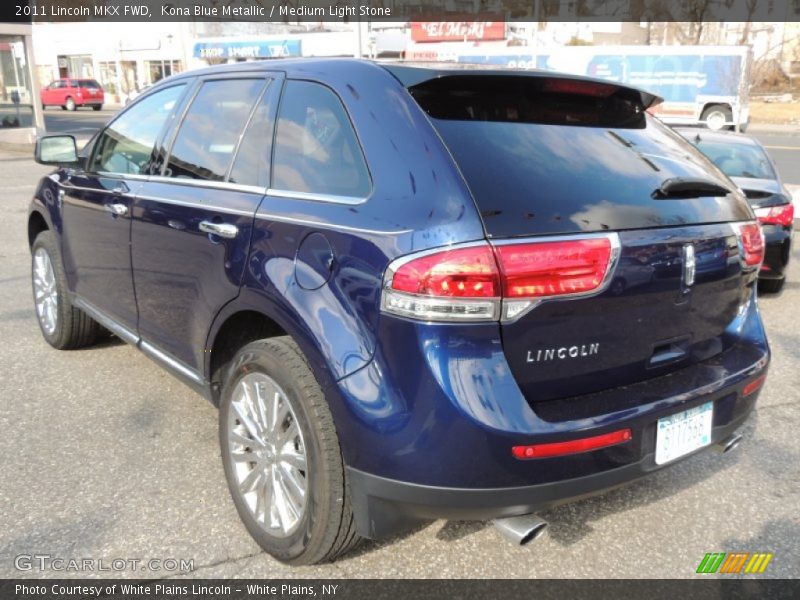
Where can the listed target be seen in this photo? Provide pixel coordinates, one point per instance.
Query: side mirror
(57, 150)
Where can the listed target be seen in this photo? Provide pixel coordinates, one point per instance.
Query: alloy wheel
(267, 454)
(45, 292)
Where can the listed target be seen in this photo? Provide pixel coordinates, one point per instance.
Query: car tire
(63, 326)
(771, 286)
(97, 107)
(715, 117)
(266, 488)
(70, 104)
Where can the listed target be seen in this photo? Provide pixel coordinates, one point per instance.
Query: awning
(247, 49)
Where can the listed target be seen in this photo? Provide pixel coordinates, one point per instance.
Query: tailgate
(646, 323)
(556, 158)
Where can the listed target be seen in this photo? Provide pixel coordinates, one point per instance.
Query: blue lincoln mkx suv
(412, 292)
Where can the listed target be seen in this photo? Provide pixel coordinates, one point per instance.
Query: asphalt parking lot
(106, 456)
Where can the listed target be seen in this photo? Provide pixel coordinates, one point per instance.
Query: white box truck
(706, 85)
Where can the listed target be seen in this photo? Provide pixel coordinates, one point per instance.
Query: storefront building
(124, 57)
(20, 112)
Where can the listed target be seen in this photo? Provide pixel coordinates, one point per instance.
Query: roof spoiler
(413, 76)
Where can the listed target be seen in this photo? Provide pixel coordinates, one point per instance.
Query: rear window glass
(738, 160)
(89, 83)
(552, 159)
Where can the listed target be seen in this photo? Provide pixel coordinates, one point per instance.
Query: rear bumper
(386, 506)
(441, 447)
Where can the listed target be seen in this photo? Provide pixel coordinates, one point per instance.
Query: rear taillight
(459, 284)
(776, 215)
(553, 268)
(481, 281)
(751, 243)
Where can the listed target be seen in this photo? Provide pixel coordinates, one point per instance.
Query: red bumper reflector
(573, 446)
(753, 385)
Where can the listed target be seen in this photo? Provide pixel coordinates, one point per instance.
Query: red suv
(69, 94)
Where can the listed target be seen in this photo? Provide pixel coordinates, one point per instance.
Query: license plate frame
(683, 432)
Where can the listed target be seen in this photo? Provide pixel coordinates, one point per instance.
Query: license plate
(682, 433)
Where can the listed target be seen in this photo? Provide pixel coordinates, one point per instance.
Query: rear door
(561, 159)
(49, 93)
(98, 203)
(193, 220)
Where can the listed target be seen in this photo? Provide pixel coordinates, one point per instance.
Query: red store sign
(453, 31)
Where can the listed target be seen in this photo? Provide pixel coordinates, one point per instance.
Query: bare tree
(750, 6)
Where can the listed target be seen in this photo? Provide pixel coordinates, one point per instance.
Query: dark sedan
(747, 163)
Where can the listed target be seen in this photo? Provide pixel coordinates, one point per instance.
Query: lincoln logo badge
(565, 352)
(689, 265)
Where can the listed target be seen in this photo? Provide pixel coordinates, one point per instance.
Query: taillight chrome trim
(737, 231)
(486, 309)
(516, 308)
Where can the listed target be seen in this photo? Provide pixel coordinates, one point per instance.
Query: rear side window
(210, 131)
(548, 155)
(125, 146)
(251, 166)
(316, 148)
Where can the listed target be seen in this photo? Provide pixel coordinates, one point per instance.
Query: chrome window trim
(316, 197)
(205, 183)
(200, 205)
(322, 224)
(70, 186)
(186, 203)
(110, 175)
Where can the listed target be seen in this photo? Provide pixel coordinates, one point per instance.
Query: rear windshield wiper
(689, 187)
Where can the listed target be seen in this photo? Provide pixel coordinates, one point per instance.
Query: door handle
(120, 189)
(117, 209)
(224, 230)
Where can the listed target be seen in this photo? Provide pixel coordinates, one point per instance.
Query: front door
(193, 221)
(98, 203)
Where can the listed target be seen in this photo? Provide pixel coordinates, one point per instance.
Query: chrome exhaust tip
(729, 443)
(521, 530)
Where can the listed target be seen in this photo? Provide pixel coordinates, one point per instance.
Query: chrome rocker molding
(120, 331)
(175, 366)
